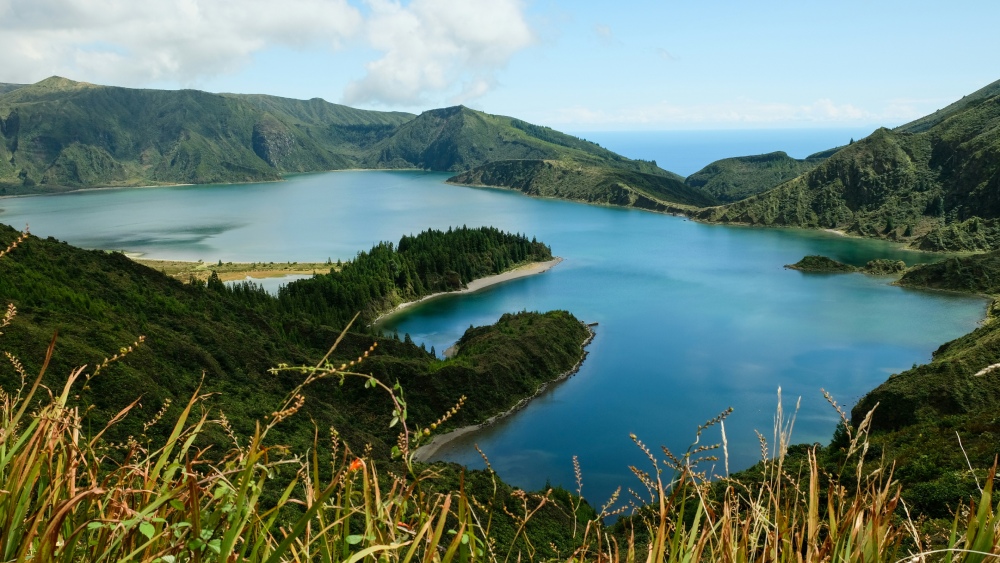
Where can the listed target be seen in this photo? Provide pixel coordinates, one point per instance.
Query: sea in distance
(692, 318)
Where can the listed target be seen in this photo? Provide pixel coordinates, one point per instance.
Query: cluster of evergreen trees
(378, 280)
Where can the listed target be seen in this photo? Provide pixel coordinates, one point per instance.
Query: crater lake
(693, 318)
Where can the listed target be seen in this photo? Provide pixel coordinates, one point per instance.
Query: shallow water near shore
(692, 318)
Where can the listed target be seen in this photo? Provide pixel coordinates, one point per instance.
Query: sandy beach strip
(482, 283)
(439, 441)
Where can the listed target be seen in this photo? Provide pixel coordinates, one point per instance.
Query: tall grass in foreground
(67, 496)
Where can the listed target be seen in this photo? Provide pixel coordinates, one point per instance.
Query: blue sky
(581, 65)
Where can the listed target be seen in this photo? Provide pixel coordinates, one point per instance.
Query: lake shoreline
(439, 441)
(522, 271)
(283, 178)
(676, 210)
(230, 271)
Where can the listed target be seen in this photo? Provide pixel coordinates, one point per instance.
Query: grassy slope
(733, 179)
(99, 302)
(576, 181)
(973, 274)
(922, 412)
(499, 151)
(60, 133)
(458, 139)
(928, 121)
(902, 185)
(201, 335)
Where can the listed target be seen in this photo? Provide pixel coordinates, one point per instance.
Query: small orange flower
(356, 464)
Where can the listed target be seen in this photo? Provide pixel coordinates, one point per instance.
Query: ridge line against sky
(581, 65)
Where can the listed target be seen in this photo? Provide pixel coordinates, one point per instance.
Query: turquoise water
(692, 318)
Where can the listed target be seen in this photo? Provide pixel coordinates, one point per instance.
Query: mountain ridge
(921, 183)
(59, 134)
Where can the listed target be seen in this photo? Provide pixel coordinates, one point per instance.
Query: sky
(577, 65)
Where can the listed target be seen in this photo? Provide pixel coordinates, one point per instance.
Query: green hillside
(972, 274)
(229, 337)
(921, 187)
(60, 134)
(4, 87)
(733, 179)
(500, 151)
(928, 121)
(923, 412)
(457, 139)
(569, 179)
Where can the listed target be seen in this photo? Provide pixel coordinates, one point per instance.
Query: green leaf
(355, 539)
(394, 421)
(147, 530)
(215, 545)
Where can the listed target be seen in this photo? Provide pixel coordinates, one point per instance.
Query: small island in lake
(821, 264)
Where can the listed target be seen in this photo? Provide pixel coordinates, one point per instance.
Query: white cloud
(135, 42)
(437, 49)
(434, 47)
(605, 35)
(665, 55)
(736, 113)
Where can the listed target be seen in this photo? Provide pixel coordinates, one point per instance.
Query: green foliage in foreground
(733, 179)
(234, 353)
(906, 184)
(71, 493)
(936, 419)
(67, 497)
(227, 339)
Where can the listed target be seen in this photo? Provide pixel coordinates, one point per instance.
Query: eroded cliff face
(272, 142)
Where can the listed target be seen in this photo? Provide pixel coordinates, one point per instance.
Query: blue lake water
(692, 318)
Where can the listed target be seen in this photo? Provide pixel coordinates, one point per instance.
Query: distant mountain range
(59, 134)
